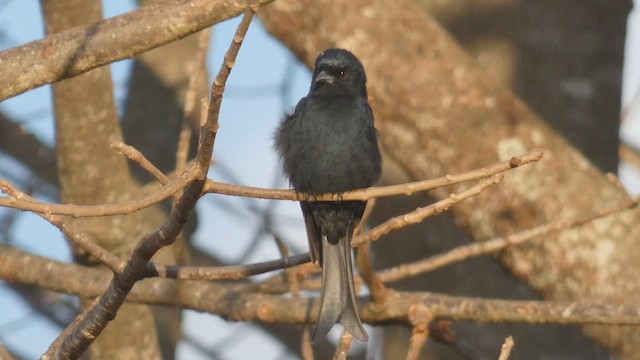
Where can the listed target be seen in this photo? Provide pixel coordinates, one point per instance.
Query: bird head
(338, 73)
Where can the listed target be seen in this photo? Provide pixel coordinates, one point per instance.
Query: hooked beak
(324, 77)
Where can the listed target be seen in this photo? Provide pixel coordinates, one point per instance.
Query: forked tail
(338, 299)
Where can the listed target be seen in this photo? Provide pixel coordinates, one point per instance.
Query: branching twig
(464, 252)
(84, 332)
(121, 208)
(84, 241)
(79, 238)
(420, 214)
(413, 217)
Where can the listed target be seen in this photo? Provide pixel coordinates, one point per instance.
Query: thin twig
(136, 156)
(232, 272)
(368, 275)
(363, 258)
(292, 274)
(464, 252)
(420, 317)
(630, 155)
(121, 208)
(505, 351)
(79, 238)
(368, 210)
(4, 353)
(306, 345)
(420, 214)
(197, 73)
(399, 222)
(343, 346)
(85, 242)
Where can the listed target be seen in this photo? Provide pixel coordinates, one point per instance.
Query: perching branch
(381, 191)
(176, 184)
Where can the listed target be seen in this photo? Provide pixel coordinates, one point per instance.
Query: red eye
(343, 75)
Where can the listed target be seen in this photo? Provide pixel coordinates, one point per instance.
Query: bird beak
(323, 76)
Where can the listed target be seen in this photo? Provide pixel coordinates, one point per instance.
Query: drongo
(329, 145)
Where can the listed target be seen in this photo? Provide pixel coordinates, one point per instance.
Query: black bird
(329, 145)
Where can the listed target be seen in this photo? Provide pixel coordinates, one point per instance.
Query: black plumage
(329, 145)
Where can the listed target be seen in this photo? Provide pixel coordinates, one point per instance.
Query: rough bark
(438, 112)
(571, 77)
(564, 59)
(84, 48)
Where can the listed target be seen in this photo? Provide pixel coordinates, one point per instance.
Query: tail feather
(338, 302)
(350, 318)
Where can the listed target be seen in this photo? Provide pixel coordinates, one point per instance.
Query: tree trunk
(91, 172)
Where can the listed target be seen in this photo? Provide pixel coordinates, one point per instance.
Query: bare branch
(176, 184)
(232, 303)
(120, 208)
(78, 50)
(86, 243)
(464, 252)
(137, 157)
(420, 214)
(79, 238)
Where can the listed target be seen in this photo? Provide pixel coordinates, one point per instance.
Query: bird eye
(343, 74)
